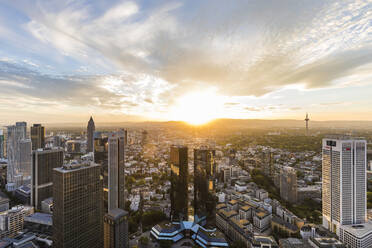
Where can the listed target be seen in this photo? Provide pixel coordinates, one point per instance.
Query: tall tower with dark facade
(179, 182)
(37, 136)
(204, 187)
(101, 158)
(90, 131)
(77, 210)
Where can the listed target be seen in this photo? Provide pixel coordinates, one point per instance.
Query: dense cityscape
(185, 123)
(184, 186)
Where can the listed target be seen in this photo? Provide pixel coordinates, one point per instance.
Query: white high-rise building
(344, 182)
(116, 171)
(16, 134)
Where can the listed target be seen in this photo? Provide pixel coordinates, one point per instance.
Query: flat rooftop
(358, 230)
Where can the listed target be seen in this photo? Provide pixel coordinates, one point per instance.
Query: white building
(16, 133)
(357, 236)
(344, 182)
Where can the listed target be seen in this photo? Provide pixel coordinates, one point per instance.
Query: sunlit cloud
(262, 59)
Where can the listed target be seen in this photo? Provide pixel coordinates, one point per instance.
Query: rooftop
(40, 218)
(74, 166)
(359, 230)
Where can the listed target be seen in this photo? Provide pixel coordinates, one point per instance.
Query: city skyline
(138, 61)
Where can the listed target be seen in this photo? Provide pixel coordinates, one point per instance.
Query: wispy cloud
(138, 56)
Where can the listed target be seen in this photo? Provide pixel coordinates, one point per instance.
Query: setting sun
(198, 108)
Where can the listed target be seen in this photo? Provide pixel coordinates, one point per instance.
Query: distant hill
(225, 123)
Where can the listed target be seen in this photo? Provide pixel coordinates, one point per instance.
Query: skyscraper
(116, 229)
(16, 133)
(101, 158)
(179, 182)
(2, 140)
(25, 149)
(116, 220)
(344, 182)
(77, 211)
(204, 187)
(116, 171)
(288, 184)
(90, 131)
(37, 136)
(43, 163)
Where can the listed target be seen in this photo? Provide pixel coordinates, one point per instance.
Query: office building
(90, 131)
(11, 221)
(357, 236)
(116, 171)
(116, 220)
(25, 149)
(37, 136)
(101, 158)
(2, 144)
(15, 134)
(57, 141)
(344, 182)
(179, 182)
(73, 146)
(77, 211)
(288, 184)
(43, 163)
(204, 187)
(116, 229)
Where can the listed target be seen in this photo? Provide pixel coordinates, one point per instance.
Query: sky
(62, 61)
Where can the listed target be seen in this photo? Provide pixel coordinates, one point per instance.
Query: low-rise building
(357, 236)
(293, 243)
(261, 241)
(326, 243)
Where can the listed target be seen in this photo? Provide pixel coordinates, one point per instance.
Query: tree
(165, 243)
(144, 241)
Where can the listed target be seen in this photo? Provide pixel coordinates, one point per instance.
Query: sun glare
(197, 108)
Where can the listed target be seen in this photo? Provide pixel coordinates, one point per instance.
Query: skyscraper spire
(307, 123)
(90, 131)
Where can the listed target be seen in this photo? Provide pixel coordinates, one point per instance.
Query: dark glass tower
(101, 158)
(179, 181)
(204, 187)
(37, 136)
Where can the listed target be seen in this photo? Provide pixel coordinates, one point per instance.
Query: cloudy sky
(62, 61)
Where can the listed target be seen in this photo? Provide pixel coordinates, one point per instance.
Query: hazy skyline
(62, 61)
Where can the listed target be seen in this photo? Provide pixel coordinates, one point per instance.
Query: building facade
(43, 163)
(2, 144)
(90, 131)
(116, 171)
(204, 187)
(344, 182)
(178, 161)
(116, 229)
(101, 158)
(15, 134)
(288, 184)
(37, 136)
(77, 213)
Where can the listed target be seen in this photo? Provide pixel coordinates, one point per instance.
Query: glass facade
(204, 187)
(179, 182)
